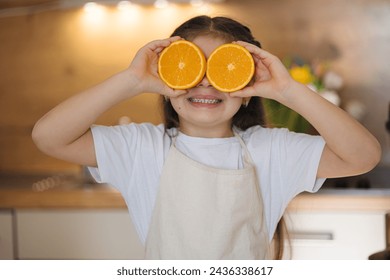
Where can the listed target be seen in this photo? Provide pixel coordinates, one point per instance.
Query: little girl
(212, 182)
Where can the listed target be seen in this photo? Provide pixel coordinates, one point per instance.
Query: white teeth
(205, 101)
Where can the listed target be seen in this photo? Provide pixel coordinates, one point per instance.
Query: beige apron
(203, 212)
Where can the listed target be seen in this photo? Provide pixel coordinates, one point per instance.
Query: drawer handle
(310, 235)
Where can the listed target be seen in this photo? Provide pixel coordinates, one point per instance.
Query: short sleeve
(300, 155)
(125, 150)
(286, 160)
(130, 158)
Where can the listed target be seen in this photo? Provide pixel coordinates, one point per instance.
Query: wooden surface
(71, 192)
(343, 202)
(91, 197)
(22, 192)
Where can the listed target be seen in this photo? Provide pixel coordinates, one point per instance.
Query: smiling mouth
(204, 100)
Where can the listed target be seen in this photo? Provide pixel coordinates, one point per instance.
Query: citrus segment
(230, 67)
(181, 65)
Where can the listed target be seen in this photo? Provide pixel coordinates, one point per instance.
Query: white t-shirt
(131, 158)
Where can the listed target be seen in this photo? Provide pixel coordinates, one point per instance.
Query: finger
(175, 38)
(170, 92)
(259, 52)
(162, 43)
(178, 92)
(245, 92)
(244, 44)
(261, 69)
(254, 50)
(158, 50)
(266, 57)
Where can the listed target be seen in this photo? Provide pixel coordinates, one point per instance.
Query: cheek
(236, 103)
(177, 104)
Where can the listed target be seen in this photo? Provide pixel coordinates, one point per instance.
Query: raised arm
(64, 132)
(350, 148)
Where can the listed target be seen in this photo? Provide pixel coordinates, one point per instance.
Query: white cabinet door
(6, 236)
(336, 235)
(77, 234)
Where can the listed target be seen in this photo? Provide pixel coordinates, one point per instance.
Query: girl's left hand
(347, 152)
(271, 78)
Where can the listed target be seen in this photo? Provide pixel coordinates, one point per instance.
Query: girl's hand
(144, 69)
(271, 78)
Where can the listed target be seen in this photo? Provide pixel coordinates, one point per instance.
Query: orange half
(182, 65)
(230, 67)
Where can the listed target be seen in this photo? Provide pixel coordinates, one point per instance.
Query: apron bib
(203, 212)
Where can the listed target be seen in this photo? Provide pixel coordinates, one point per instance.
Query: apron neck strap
(247, 157)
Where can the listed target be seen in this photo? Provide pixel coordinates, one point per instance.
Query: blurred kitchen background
(52, 49)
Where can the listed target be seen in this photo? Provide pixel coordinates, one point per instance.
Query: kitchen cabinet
(335, 235)
(6, 235)
(77, 234)
(109, 234)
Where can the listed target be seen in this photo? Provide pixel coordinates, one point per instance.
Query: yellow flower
(302, 74)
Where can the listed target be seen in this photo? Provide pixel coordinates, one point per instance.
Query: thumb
(170, 92)
(245, 92)
(178, 92)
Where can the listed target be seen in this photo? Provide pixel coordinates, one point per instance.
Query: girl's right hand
(144, 69)
(65, 133)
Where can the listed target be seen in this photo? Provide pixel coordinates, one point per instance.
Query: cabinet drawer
(81, 234)
(335, 235)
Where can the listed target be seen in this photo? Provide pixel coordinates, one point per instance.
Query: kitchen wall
(48, 56)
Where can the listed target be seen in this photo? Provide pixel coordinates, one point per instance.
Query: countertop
(68, 191)
(56, 191)
(377, 200)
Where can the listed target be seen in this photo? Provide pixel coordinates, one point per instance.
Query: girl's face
(203, 111)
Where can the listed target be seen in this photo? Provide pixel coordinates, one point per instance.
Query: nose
(204, 82)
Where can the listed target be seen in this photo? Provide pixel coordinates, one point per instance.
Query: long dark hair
(253, 114)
